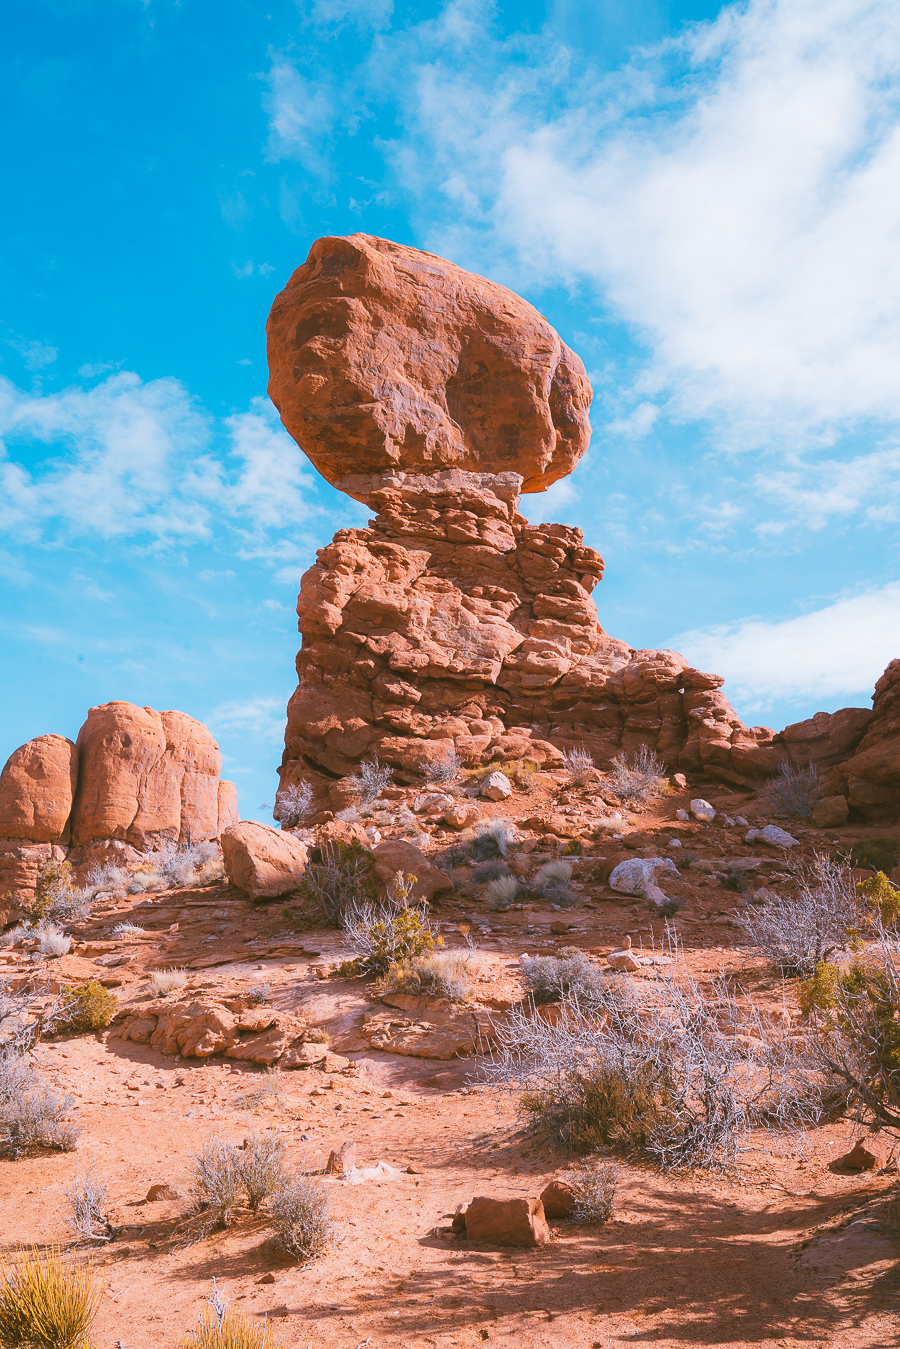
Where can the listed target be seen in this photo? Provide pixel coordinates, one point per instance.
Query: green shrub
(45, 1304)
(87, 1007)
(877, 854)
(55, 895)
(341, 881)
(387, 938)
(878, 894)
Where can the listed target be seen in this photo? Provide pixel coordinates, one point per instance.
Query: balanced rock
(261, 861)
(506, 1222)
(384, 360)
(37, 787)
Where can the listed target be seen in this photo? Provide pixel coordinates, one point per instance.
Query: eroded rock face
(37, 787)
(385, 359)
(869, 777)
(145, 776)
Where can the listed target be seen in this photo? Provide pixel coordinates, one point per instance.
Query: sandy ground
(789, 1253)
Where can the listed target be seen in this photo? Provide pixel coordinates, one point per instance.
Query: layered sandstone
(451, 623)
(383, 358)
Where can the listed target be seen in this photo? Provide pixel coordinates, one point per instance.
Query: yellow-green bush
(86, 1007)
(231, 1332)
(878, 893)
(388, 938)
(45, 1304)
(54, 890)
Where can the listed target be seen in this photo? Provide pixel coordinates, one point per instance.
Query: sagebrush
(32, 1113)
(793, 791)
(338, 884)
(301, 1218)
(549, 978)
(580, 764)
(638, 777)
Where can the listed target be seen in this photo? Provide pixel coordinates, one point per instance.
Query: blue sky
(702, 199)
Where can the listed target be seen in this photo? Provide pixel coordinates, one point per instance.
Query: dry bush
(271, 1088)
(798, 933)
(301, 1218)
(793, 791)
(638, 778)
(670, 1070)
(32, 1114)
(53, 942)
(109, 876)
(164, 982)
(259, 995)
(86, 1007)
(182, 864)
(491, 841)
(579, 764)
(549, 978)
(145, 880)
(45, 1304)
(386, 937)
(56, 898)
(443, 771)
(595, 1185)
(441, 974)
(293, 803)
(263, 1167)
(371, 780)
(501, 892)
(216, 1181)
(335, 887)
(854, 1030)
(21, 932)
(87, 1201)
(128, 929)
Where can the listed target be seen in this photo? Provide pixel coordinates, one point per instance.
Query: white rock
(432, 802)
(739, 820)
(496, 787)
(674, 843)
(682, 815)
(373, 834)
(765, 896)
(702, 810)
(751, 836)
(729, 821)
(632, 876)
(776, 838)
(623, 960)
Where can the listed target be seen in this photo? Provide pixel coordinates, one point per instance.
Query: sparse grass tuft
(440, 974)
(46, 1304)
(86, 1007)
(220, 1328)
(259, 995)
(793, 791)
(270, 1089)
(164, 982)
(54, 943)
(500, 892)
(491, 841)
(301, 1218)
(127, 929)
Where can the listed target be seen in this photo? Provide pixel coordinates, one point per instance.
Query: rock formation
(135, 780)
(451, 622)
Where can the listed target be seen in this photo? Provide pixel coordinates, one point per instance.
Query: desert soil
(792, 1251)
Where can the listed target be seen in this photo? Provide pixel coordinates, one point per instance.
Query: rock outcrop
(135, 780)
(386, 359)
(451, 623)
(263, 862)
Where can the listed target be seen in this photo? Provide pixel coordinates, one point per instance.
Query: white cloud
(301, 115)
(276, 486)
(264, 717)
(837, 651)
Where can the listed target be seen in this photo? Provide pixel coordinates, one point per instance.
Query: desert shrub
(301, 1218)
(293, 803)
(350, 815)
(45, 1304)
(579, 764)
(522, 772)
(491, 841)
(86, 1007)
(672, 1071)
(879, 897)
(443, 771)
(109, 876)
(32, 1114)
(164, 982)
(684, 859)
(793, 791)
(798, 933)
(128, 929)
(854, 1030)
(386, 937)
(53, 942)
(21, 932)
(145, 880)
(549, 978)
(87, 1203)
(216, 1181)
(271, 1088)
(182, 864)
(595, 1185)
(56, 898)
(881, 853)
(551, 881)
(259, 995)
(489, 871)
(342, 881)
(637, 778)
(500, 892)
(439, 974)
(371, 780)
(263, 1167)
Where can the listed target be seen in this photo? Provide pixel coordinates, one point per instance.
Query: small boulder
(342, 1161)
(624, 958)
(559, 1200)
(157, 1193)
(831, 811)
(261, 861)
(775, 837)
(682, 815)
(765, 896)
(863, 1157)
(702, 810)
(632, 877)
(507, 1222)
(462, 816)
(496, 787)
(432, 802)
(395, 855)
(679, 780)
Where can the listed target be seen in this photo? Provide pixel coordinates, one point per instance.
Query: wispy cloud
(836, 651)
(263, 716)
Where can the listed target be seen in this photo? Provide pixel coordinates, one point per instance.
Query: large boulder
(145, 777)
(37, 787)
(263, 862)
(385, 359)
(227, 812)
